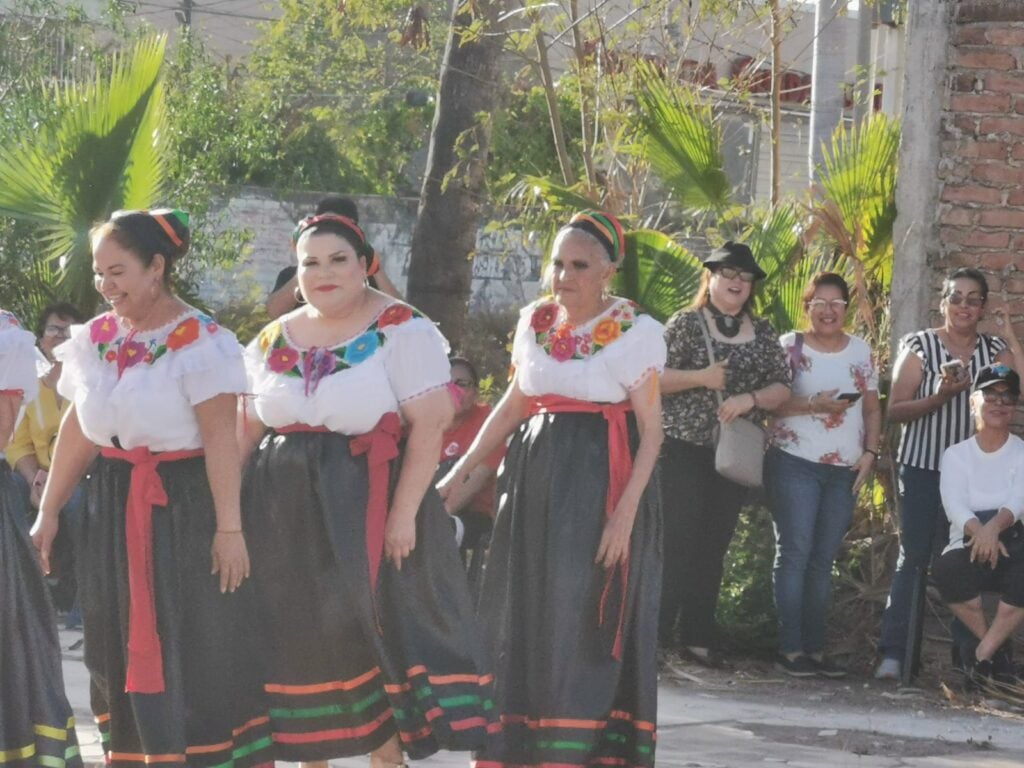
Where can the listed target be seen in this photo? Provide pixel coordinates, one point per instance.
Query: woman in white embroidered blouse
(33, 686)
(169, 625)
(361, 588)
(570, 592)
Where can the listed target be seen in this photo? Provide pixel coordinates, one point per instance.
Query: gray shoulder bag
(739, 445)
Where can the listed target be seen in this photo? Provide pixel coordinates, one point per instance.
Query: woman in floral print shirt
(824, 447)
(702, 507)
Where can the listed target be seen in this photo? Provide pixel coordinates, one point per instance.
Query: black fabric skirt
(347, 669)
(563, 698)
(36, 724)
(212, 712)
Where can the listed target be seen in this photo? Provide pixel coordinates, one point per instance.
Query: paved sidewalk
(711, 725)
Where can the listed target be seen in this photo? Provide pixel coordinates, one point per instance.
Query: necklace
(727, 325)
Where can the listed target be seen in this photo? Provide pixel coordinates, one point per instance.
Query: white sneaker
(889, 669)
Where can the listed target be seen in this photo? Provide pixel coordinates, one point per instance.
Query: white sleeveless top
(142, 388)
(347, 387)
(600, 361)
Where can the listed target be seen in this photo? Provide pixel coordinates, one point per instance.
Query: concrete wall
(505, 272)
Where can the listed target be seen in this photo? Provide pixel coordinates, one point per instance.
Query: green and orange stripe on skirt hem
(620, 740)
(250, 745)
(53, 747)
(456, 710)
(337, 717)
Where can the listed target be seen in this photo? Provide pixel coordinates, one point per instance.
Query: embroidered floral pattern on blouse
(562, 342)
(314, 364)
(111, 345)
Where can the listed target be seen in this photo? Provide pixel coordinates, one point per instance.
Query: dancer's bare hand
(230, 559)
(399, 537)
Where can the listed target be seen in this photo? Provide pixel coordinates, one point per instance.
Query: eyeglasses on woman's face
(731, 273)
(53, 330)
(1001, 397)
(956, 299)
(838, 305)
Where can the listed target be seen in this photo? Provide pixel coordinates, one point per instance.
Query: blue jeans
(812, 506)
(923, 531)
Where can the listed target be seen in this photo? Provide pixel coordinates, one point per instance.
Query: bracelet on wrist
(238, 530)
(872, 452)
(810, 404)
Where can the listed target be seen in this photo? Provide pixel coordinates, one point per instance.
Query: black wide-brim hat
(734, 255)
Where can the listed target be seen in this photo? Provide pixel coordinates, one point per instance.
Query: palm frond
(104, 151)
(682, 142)
(657, 273)
(857, 196)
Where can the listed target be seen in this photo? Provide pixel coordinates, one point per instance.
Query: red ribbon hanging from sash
(145, 672)
(620, 466)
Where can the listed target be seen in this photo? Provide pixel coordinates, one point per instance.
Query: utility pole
(184, 16)
(776, 118)
(826, 80)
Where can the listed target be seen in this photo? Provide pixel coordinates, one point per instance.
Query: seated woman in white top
(982, 485)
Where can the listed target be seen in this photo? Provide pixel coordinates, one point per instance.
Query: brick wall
(981, 166)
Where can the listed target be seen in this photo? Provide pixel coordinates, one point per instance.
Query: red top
(456, 442)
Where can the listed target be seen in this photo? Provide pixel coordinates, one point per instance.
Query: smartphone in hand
(850, 397)
(954, 370)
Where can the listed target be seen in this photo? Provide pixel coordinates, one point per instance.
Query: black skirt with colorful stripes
(564, 700)
(36, 725)
(212, 713)
(349, 668)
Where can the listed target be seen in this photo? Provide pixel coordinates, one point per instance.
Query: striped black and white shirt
(924, 439)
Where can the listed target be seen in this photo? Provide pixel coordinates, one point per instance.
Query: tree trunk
(826, 81)
(444, 237)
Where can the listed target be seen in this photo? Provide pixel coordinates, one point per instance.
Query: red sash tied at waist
(380, 445)
(145, 672)
(620, 466)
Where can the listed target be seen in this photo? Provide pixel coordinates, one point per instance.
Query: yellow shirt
(37, 430)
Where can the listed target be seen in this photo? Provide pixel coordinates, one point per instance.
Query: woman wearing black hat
(982, 486)
(700, 506)
(570, 593)
(170, 638)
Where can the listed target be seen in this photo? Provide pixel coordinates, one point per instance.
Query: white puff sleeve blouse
(141, 388)
(600, 361)
(349, 386)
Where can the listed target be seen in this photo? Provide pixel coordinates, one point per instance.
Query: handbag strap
(795, 353)
(711, 352)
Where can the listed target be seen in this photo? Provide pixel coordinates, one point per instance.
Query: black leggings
(700, 510)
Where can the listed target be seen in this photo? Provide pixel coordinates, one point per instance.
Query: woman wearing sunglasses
(824, 445)
(930, 397)
(700, 506)
(983, 493)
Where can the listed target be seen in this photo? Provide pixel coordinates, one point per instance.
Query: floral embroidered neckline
(563, 341)
(311, 365)
(128, 349)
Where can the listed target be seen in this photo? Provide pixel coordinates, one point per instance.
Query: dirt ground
(938, 691)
